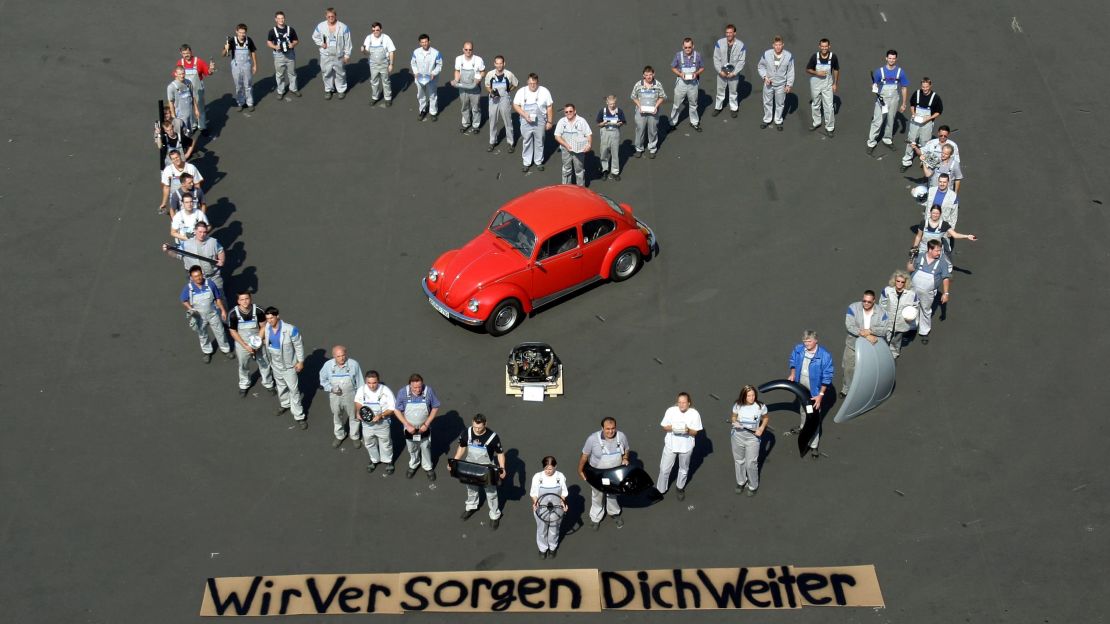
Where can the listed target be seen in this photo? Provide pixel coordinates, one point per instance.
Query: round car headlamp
(472, 305)
(433, 275)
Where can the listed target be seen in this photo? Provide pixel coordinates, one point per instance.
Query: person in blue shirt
(890, 85)
(812, 366)
(610, 119)
(204, 309)
(417, 406)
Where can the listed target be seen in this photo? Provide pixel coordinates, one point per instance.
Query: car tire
(626, 264)
(504, 318)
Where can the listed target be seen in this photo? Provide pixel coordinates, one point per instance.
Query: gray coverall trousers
(574, 167)
(289, 390)
(532, 135)
(469, 105)
(685, 91)
(427, 97)
(745, 458)
(821, 92)
(647, 126)
(333, 73)
(500, 116)
(244, 357)
(774, 98)
(892, 97)
(610, 150)
(285, 73)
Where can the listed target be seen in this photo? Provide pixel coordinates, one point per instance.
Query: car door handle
(576, 256)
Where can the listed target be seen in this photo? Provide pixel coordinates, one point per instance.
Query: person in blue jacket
(812, 366)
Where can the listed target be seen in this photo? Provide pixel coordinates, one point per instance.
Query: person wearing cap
(374, 405)
(681, 422)
(500, 84)
(545, 483)
(282, 39)
(204, 309)
(610, 120)
(334, 40)
(417, 406)
(481, 445)
(687, 66)
(862, 320)
(379, 47)
(776, 68)
(285, 350)
(341, 377)
(896, 298)
(604, 449)
(244, 323)
(469, 70)
(729, 55)
(575, 140)
(824, 79)
(647, 98)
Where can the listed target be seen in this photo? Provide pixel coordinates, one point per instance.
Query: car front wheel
(504, 318)
(626, 264)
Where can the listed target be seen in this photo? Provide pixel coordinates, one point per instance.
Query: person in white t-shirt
(682, 423)
(534, 105)
(575, 139)
(379, 47)
(185, 220)
(374, 405)
(547, 485)
(749, 420)
(469, 71)
(171, 177)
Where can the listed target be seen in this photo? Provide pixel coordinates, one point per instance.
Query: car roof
(555, 208)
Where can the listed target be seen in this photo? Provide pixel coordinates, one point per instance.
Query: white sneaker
(887, 141)
(871, 144)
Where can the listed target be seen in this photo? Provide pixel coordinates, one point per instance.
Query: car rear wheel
(626, 264)
(504, 318)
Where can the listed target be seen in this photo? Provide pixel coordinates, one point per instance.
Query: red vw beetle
(538, 247)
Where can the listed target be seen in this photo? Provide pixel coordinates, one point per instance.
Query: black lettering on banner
(286, 594)
(475, 585)
(527, 586)
(575, 593)
(776, 598)
(457, 586)
(787, 578)
(322, 605)
(656, 594)
(680, 589)
(503, 593)
(729, 593)
(347, 596)
(754, 588)
(265, 608)
(810, 582)
(410, 589)
(241, 606)
(607, 594)
(645, 590)
(372, 596)
(838, 581)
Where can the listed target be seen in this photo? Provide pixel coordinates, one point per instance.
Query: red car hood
(483, 261)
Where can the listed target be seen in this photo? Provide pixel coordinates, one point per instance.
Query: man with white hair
(811, 365)
(341, 377)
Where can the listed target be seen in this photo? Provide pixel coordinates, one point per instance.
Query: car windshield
(511, 230)
(612, 204)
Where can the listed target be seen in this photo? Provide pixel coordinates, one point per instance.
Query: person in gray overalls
(379, 47)
(282, 39)
(604, 449)
(728, 59)
(889, 84)
(481, 445)
(202, 245)
(469, 70)
(182, 101)
(500, 84)
(824, 80)
(341, 377)
(749, 420)
(688, 67)
(925, 107)
(204, 309)
(244, 64)
(285, 349)
(244, 323)
(334, 40)
(862, 319)
(776, 68)
(546, 485)
(196, 69)
(426, 63)
(417, 407)
(610, 119)
(374, 404)
(647, 98)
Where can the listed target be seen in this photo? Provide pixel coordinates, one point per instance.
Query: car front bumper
(653, 244)
(446, 311)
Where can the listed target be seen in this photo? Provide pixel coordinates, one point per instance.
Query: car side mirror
(537, 264)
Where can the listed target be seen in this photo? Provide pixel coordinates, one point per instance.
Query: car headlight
(433, 275)
(472, 305)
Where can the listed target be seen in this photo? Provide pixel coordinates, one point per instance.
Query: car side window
(560, 243)
(595, 229)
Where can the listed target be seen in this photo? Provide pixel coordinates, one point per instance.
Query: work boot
(467, 513)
